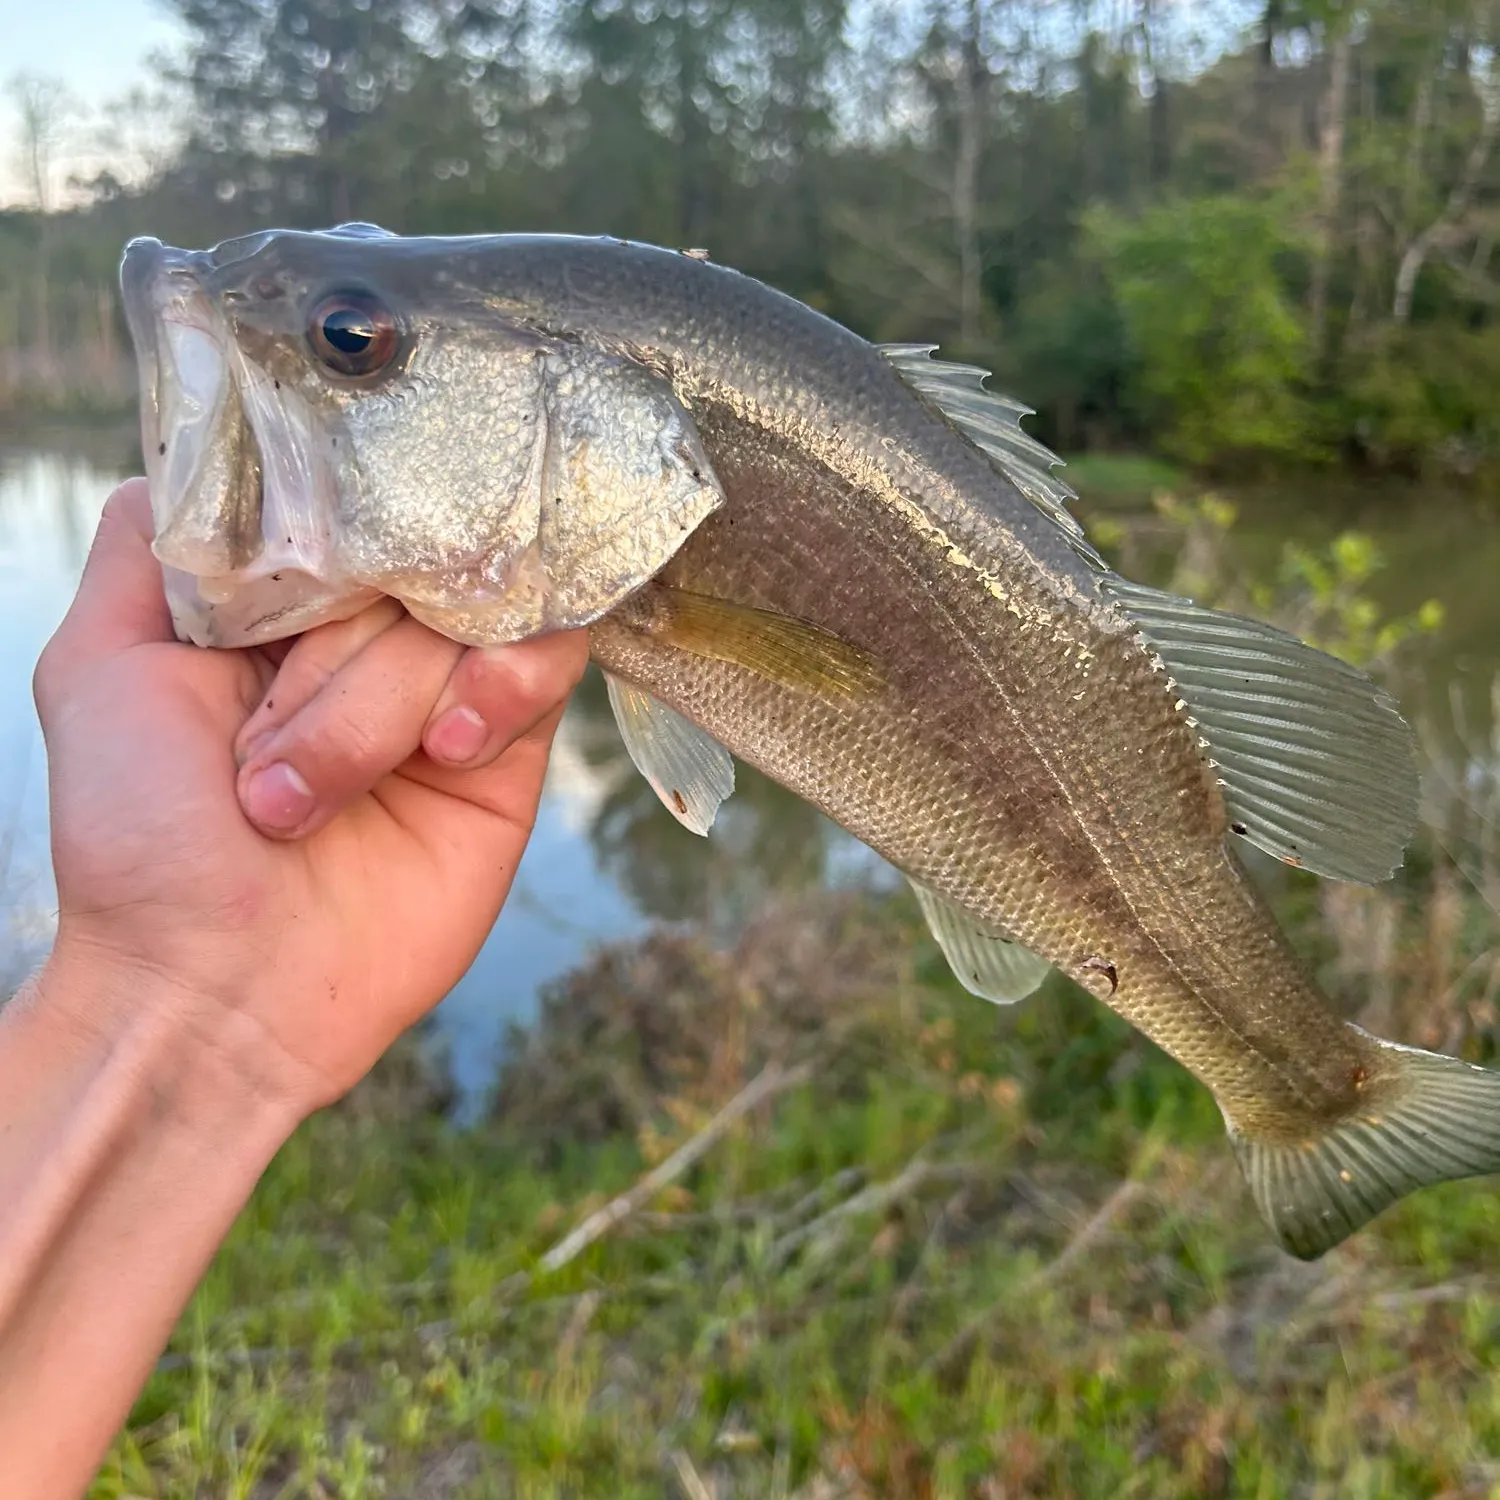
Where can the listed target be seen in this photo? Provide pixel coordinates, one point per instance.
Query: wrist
(135, 1129)
(195, 1054)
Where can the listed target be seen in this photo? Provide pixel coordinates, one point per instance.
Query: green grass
(1070, 1297)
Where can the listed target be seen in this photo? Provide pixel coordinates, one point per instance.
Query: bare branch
(771, 1080)
(875, 1198)
(1093, 1229)
(1449, 224)
(43, 106)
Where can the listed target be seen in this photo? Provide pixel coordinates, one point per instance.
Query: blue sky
(98, 48)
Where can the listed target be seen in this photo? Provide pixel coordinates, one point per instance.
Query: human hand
(306, 853)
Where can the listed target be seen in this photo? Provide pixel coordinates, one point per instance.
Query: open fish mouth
(244, 560)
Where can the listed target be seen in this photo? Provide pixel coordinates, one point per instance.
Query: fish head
(331, 416)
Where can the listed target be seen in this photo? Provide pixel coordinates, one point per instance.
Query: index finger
(120, 601)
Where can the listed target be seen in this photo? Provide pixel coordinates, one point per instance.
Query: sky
(97, 48)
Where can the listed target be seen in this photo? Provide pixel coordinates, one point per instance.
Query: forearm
(132, 1134)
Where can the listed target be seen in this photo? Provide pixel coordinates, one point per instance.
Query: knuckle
(512, 685)
(127, 506)
(321, 653)
(487, 673)
(300, 680)
(338, 747)
(45, 679)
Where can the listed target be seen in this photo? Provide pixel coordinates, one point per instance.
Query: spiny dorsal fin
(1317, 765)
(687, 768)
(993, 422)
(984, 960)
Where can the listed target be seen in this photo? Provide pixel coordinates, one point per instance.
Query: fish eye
(353, 333)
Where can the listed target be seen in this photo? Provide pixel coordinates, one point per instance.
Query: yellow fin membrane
(791, 652)
(1439, 1120)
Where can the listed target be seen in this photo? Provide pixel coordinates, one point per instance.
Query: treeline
(1238, 236)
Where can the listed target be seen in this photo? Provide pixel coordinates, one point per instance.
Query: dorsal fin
(1318, 767)
(361, 229)
(993, 423)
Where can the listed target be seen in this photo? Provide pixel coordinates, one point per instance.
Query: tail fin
(1439, 1120)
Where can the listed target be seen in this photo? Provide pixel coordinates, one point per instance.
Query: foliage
(1421, 397)
(1323, 595)
(1262, 238)
(1218, 347)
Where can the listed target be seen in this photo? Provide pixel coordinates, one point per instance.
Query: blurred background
(1240, 257)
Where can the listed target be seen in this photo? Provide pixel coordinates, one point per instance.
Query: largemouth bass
(846, 564)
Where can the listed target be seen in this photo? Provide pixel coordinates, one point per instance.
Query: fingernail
(277, 797)
(457, 735)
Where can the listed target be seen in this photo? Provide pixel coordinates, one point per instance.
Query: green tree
(704, 123)
(1220, 350)
(286, 93)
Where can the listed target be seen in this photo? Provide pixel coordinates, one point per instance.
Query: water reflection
(49, 506)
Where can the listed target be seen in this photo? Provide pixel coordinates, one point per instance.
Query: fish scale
(915, 774)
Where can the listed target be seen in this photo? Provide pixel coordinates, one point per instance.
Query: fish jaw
(237, 496)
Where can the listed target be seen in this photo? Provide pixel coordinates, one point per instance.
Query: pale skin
(269, 865)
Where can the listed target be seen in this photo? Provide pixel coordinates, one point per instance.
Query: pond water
(606, 860)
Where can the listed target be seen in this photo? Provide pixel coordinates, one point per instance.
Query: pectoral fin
(784, 650)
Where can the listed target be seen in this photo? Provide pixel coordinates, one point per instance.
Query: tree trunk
(1416, 147)
(41, 327)
(692, 131)
(973, 81)
(1449, 223)
(109, 353)
(1265, 66)
(1158, 119)
(1330, 183)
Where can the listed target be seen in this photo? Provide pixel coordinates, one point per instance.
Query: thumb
(120, 601)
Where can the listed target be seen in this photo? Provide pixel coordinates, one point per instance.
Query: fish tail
(1432, 1119)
